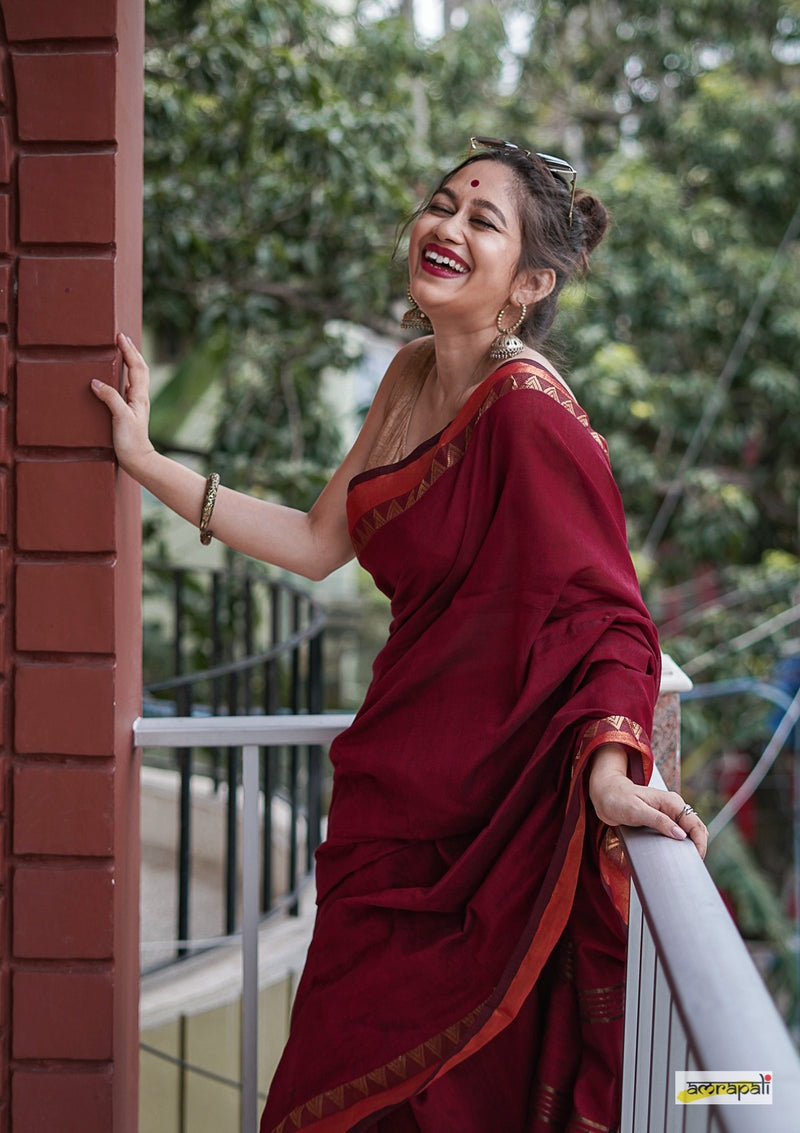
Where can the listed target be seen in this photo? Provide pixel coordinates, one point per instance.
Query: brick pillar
(70, 276)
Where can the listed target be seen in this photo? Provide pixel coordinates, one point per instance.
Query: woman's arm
(311, 544)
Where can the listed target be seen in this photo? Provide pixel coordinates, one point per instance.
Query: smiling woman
(467, 964)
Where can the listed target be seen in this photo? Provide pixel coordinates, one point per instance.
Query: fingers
(129, 410)
(137, 385)
(133, 359)
(658, 810)
(696, 830)
(670, 815)
(138, 373)
(107, 394)
(618, 802)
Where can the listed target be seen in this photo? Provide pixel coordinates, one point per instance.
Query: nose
(449, 228)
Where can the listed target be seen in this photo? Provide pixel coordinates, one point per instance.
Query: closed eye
(445, 210)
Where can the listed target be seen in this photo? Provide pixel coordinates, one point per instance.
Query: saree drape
(466, 968)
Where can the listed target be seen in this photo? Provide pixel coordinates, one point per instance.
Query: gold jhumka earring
(415, 319)
(507, 345)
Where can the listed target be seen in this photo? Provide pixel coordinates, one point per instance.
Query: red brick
(69, 302)
(63, 914)
(66, 198)
(64, 709)
(65, 506)
(5, 725)
(55, 405)
(65, 1014)
(63, 810)
(3, 363)
(5, 152)
(5, 225)
(5, 292)
(55, 1100)
(53, 19)
(66, 97)
(3, 502)
(5, 438)
(5, 566)
(65, 607)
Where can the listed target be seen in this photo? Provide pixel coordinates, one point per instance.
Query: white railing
(695, 1001)
(250, 733)
(694, 998)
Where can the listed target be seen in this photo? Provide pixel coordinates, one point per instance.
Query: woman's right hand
(130, 411)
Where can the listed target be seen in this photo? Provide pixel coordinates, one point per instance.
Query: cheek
(419, 229)
(413, 239)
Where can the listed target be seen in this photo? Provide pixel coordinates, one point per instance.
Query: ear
(534, 286)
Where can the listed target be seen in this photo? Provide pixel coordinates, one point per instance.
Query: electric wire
(194, 1069)
(738, 644)
(759, 771)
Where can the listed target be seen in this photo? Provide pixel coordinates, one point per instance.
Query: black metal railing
(238, 643)
(230, 642)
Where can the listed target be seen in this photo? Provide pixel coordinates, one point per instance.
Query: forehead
(495, 182)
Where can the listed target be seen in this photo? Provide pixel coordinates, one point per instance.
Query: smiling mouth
(438, 259)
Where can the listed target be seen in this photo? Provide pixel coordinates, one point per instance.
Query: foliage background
(286, 144)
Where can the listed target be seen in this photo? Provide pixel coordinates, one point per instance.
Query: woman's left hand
(620, 802)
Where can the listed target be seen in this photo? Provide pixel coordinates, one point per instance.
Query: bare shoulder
(544, 361)
(403, 363)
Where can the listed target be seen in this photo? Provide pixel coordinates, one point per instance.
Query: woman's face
(465, 247)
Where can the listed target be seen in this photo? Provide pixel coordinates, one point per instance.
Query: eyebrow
(481, 202)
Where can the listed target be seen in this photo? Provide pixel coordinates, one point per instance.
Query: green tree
(687, 122)
(285, 144)
(270, 198)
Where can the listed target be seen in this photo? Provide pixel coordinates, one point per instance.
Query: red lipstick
(440, 261)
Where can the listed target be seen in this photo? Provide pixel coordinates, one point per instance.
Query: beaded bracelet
(210, 498)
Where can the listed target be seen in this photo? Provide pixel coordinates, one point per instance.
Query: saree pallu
(466, 969)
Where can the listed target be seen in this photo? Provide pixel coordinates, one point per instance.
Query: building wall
(70, 276)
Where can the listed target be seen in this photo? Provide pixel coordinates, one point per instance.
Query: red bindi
(474, 184)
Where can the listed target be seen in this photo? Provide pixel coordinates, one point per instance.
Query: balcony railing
(695, 1001)
(248, 734)
(235, 642)
(694, 997)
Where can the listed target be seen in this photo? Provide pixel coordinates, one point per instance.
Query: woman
(467, 964)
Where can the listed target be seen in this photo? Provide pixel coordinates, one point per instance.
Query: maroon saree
(467, 964)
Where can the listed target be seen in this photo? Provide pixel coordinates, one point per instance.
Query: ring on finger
(688, 810)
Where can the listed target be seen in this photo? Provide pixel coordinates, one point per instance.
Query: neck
(462, 361)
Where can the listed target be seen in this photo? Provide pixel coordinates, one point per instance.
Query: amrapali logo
(723, 1087)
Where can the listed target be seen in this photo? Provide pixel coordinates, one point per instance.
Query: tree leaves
(285, 144)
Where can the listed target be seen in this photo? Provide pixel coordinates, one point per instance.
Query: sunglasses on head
(557, 166)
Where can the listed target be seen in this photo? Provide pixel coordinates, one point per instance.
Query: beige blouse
(390, 443)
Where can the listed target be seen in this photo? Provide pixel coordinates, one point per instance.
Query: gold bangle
(210, 498)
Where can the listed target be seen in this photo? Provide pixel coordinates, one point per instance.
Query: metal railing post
(701, 1005)
(250, 919)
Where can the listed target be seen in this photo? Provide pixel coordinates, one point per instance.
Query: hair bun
(595, 219)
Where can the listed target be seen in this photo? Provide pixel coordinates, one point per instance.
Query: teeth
(445, 261)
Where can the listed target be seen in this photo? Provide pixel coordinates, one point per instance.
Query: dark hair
(548, 238)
